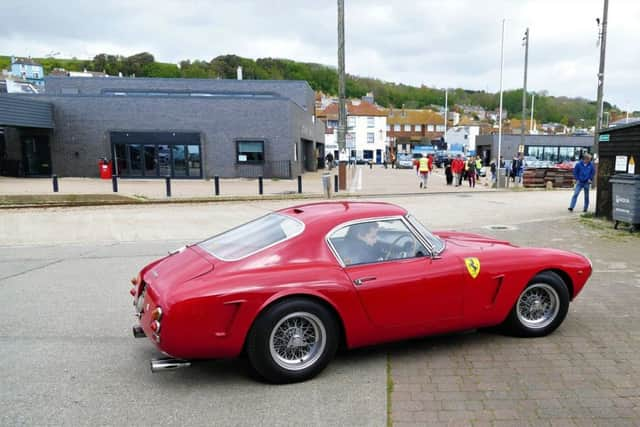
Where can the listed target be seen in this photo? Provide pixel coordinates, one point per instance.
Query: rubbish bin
(626, 199)
(105, 169)
(326, 184)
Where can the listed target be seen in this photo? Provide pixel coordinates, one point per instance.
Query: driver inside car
(362, 244)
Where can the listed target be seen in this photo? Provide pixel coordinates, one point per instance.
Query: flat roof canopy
(20, 111)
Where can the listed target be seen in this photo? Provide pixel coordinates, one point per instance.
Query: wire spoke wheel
(538, 306)
(297, 341)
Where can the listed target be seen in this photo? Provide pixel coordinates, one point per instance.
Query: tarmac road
(67, 356)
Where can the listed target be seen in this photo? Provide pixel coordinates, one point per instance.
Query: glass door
(150, 161)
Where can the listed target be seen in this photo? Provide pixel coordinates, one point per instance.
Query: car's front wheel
(292, 340)
(540, 308)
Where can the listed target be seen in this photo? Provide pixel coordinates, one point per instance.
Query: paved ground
(66, 355)
(362, 180)
(586, 373)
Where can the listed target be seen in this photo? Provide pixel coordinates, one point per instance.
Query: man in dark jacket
(583, 172)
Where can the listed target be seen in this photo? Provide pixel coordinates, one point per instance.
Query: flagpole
(500, 112)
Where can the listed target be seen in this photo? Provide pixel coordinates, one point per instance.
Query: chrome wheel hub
(538, 306)
(297, 341)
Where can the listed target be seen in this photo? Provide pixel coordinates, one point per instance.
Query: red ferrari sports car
(289, 288)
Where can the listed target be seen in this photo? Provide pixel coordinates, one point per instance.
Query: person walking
(423, 168)
(471, 171)
(447, 170)
(583, 172)
(457, 166)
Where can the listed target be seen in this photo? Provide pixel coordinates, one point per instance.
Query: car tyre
(540, 308)
(292, 341)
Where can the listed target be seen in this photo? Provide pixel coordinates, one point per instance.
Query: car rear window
(252, 237)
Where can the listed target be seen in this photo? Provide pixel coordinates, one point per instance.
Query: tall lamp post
(500, 112)
(342, 113)
(525, 42)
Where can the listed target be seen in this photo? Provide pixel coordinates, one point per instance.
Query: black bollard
(216, 184)
(259, 185)
(114, 183)
(299, 184)
(335, 183)
(55, 183)
(167, 180)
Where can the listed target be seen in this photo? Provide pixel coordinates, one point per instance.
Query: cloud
(454, 43)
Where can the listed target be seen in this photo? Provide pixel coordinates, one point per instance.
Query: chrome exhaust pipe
(168, 364)
(138, 332)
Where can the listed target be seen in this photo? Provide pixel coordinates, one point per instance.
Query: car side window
(375, 241)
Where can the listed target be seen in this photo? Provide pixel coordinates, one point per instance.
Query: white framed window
(396, 128)
(351, 122)
(370, 137)
(388, 128)
(417, 128)
(429, 128)
(407, 128)
(371, 122)
(439, 128)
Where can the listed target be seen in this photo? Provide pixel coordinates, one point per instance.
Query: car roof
(330, 214)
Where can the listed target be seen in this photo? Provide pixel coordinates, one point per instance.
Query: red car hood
(179, 267)
(469, 240)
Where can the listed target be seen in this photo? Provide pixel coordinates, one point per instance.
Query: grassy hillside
(571, 111)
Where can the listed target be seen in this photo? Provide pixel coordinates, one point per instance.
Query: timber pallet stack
(538, 178)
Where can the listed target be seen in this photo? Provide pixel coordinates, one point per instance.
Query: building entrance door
(36, 155)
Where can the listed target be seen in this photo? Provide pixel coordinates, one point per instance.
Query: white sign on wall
(621, 164)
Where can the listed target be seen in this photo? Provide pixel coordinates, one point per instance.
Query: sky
(452, 43)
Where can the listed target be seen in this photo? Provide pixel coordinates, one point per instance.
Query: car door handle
(361, 280)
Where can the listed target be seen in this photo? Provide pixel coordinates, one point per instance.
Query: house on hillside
(27, 70)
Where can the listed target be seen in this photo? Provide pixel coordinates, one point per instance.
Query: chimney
(239, 72)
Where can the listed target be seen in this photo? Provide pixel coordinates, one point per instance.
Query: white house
(366, 138)
(462, 137)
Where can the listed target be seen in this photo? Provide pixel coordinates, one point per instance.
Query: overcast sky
(448, 43)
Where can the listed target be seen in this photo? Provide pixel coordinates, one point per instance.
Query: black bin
(626, 199)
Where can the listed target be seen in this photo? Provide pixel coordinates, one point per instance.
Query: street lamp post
(500, 112)
(342, 113)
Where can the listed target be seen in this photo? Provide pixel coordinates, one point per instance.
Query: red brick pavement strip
(586, 373)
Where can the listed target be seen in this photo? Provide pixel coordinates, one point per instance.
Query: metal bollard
(216, 184)
(55, 183)
(167, 180)
(335, 183)
(260, 185)
(114, 183)
(299, 184)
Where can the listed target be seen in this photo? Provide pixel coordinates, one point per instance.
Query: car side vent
(298, 210)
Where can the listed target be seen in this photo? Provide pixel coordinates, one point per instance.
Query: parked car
(289, 288)
(440, 158)
(405, 161)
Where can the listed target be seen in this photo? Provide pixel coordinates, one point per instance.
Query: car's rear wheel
(293, 340)
(540, 308)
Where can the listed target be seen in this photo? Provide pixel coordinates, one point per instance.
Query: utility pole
(602, 39)
(596, 135)
(533, 100)
(342, 114)
(525, 41)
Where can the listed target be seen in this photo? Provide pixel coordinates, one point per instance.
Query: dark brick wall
(83, 124)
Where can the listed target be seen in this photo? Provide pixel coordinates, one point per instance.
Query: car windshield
(435, 242)
(252, 237)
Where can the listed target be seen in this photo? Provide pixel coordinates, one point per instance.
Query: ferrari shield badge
(473, 266)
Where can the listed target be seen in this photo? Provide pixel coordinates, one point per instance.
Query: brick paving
(586, 373)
